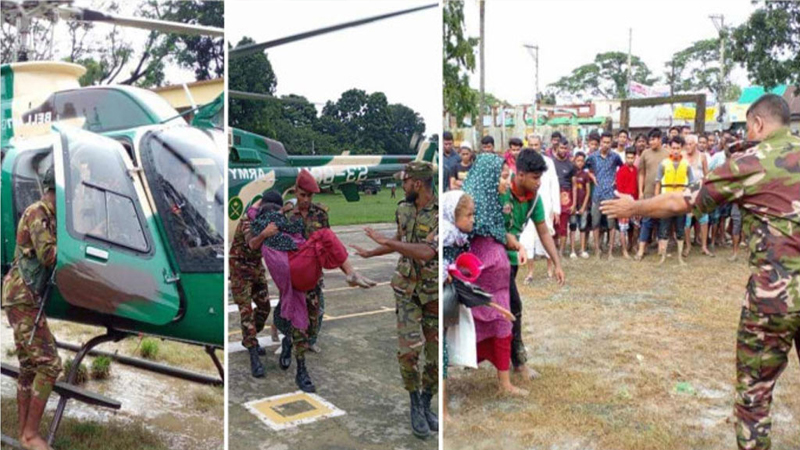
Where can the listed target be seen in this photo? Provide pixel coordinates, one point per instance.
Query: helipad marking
(290, 410)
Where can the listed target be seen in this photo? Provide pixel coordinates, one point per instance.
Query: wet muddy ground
(356, 371)
(633, 356)
(184, 415)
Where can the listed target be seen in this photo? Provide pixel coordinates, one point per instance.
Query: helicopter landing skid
(111, 335)
(210, 350)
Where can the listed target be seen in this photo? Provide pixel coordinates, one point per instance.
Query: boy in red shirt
(627, 184)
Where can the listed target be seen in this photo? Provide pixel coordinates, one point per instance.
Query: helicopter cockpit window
(100, 194)
(100, 110)
(185, 173)
(29, 168)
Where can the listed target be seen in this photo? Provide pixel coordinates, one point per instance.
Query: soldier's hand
(362, 252)
(270, 230)
(288, 206)
(375, 236)
(620, 207)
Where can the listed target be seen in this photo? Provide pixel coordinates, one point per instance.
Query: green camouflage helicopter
(257, 163)
(139, 201)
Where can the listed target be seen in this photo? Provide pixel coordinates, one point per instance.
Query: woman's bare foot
(513, 390)
(356, 279)
(527, 372)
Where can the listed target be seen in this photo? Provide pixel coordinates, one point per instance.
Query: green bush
(149, 348)
(101, 368)
(81, 377)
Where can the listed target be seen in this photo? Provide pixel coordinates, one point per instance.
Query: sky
(570, 33)
(136, 37)
(400, 57)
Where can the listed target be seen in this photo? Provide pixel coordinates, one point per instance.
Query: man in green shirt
(520, 204)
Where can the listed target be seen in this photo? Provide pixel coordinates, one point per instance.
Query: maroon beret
(306, 182)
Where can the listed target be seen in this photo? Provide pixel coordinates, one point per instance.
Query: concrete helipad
(356, 372)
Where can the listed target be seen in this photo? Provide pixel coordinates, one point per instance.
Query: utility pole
(721, 89)
(534, 52)
(630, 44)
(482, 107)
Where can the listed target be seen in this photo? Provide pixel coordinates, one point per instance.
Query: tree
(459, 60)
(768, 44)
(253, 73)
(696, 68)
(199, 53)
(606, 77)
(405, 124)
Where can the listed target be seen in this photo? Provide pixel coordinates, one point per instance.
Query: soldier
(23, 287)
(416, 290)
(248, 281)
(315, 217)
(765, 182)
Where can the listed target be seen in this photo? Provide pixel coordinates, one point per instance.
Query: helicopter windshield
(184, 170)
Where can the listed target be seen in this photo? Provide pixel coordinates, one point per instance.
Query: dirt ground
(632, 356)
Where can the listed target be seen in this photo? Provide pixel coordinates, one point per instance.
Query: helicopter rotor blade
(91, 15)
(257, 48)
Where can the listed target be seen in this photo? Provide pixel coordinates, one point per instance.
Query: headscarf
(450, 234)
(481, 184)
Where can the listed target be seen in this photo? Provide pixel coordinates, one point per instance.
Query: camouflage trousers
(762, 349)
(418, 329)
(39, 364)
(248, 287)
(303, 339)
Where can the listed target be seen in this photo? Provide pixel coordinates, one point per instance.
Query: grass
(101, 368)
(633, 356)
(81, 377)
(210, 399)
(148, 348)
(369, 209)
(74, 434)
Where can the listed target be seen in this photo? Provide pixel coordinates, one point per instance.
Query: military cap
(306, 182)
(49, 179)
(420, 170)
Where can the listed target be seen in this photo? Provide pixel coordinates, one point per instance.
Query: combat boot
(256, 368)
(285, 359)
(430, 416)
(419, 426)
(302, 378)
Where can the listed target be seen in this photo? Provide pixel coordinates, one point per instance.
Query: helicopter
(139, 201)
(257, 163)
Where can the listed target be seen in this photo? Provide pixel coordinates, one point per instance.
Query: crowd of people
(580, 176)
(509, 206)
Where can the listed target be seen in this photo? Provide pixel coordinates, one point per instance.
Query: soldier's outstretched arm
(377, 251)
(419, 252)
(658, 207)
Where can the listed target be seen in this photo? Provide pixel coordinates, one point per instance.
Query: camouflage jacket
(315, 219)
(35, 253)
(765, 182)
(240, 251)
(418, 227)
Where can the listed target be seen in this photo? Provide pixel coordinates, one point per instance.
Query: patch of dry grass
(613, 346)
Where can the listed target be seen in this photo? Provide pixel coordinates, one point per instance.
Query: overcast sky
(571, 32)
(401, 56)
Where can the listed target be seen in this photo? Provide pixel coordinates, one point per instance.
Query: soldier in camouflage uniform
(416, 290)
(314, 217)
(23, 287)
(764, 181)
(248, 282)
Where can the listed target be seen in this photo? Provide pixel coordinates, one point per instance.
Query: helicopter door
(109, 260)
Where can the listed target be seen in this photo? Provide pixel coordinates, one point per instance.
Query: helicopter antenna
(245, 50)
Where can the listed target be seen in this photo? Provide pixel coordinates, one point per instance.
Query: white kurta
(550, 196)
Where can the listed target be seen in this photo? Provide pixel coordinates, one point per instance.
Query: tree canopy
(606, 76)
(459, 61)
(360, 122)
(768, 44)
